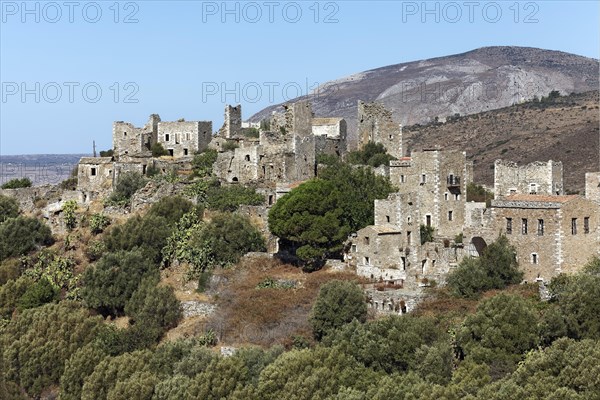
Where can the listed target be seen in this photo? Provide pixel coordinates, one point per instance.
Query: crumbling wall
(232, 124)
(296, 117)
(375, 124)
(535, 178)
(95, 175)
(592, 186)
(129, 140)
(184, 138)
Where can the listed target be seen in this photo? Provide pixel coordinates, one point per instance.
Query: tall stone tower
(232, 125)
(375, 124)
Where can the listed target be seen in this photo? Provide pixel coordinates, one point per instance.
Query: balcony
(453, 181)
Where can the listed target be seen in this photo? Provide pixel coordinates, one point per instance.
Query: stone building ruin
(535, 178)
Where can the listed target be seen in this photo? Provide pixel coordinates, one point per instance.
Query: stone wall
(129, 140)
(232, 124)
(95, 175)
(592, 186)
(535, 178)
(558, 248)
(439, 179)
(375, 124)
(184, 138)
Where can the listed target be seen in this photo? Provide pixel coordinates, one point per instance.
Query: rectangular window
(449, 215)
(387, 218)
(573, 226)
(185, 152)
(367, 240)
(586, 225)
(187, 136)
(428, 220)
(540, 227)
(402, 179)
(423, 178)
(533, 188)
(408, 238)
(167, 137)
(534, 258)
(354, 248)
(367, 261)
(93, 171)
(524, 226)
(508, 226)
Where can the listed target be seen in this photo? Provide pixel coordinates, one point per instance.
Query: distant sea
(42, 169)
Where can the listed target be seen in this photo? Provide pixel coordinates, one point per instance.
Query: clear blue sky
(175, 58)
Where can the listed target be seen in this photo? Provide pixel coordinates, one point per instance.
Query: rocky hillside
(564, 130)
(480, 80)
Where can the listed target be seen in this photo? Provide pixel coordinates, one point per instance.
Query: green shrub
(338, 303)
(230, 145)
(9, 208)
(17, 183)
(95, 249)
(153, 305)
(479, 194)
(502, 329)
(19, 236)
(373, 154)
(98, 222)
(158, 150)
(220, 242)
(229, 198)
(68, 209)
(37, 343)
(127, 185)
(251, 132)
(110, 283)
(327, 159)
(426, 233)
(107, 153)
(40, 293)
(496, 268)
(202, 163)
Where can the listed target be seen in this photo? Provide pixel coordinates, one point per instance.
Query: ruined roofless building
(286, 153)
(537, 177)
(375, 124)
(179, 138)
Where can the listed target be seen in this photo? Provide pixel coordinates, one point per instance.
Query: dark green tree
(9, 208)
(578, 298)
(502, 329)
(36, 344)
(40, 293)
(496, 268)
(394, 344)
(17, 183)
(359, 188)
(314, 229)
(338, 303)
(110, 283)
(158, 150)
(154, 305)
(229, 198)
(19, 236)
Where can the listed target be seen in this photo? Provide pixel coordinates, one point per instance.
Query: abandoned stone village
(552, 232)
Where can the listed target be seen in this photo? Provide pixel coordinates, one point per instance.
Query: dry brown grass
(268, 316)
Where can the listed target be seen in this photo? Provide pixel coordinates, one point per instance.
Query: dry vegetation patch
(264, 302)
